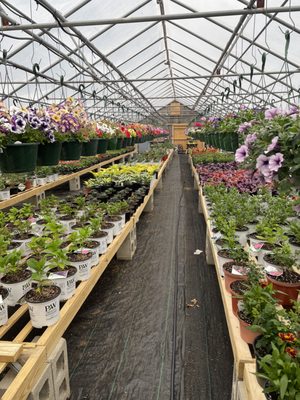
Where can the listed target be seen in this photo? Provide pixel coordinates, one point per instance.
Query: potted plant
(60, 272)
(281, 270)
(257, 306)
(19, 140)
(97, 233)
(67, 217)
(90, 144)
(16, 278)
(79, 258)
(281, 371)
(43, 298)
(20, 219)
(113, 210)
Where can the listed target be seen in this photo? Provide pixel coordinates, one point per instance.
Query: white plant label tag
(273, 271)
(256, 247)
(238, 270)
(1, 299)
(240, 305)
(58, 275)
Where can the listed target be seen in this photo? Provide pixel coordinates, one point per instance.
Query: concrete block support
(44, 388)
(74, 184)
(128, 248)
(60, 370)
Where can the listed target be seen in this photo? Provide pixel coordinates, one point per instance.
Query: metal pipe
(151, 18)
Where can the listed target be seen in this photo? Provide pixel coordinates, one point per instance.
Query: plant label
(273, 271)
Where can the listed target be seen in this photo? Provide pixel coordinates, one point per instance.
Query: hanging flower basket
(19, 158)
(49, 153)
(112, 143)
(119, 143)
(71, 151)
(90, 148)
(102, 146)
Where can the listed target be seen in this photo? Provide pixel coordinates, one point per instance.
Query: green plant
(19, 218)
(294, 230)
(56, 255)
(4, 243)
(281, 370)
(95, 223)
(259, 304)
(37, 245)
(10, 264)
(66, 209)
(282, 255)
(38, 268)
(273, 235)
(78, 238)
(80, 202)
(53, 228)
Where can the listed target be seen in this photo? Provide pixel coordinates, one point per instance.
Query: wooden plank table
(41, 350)
(241, 351)
(253, 389)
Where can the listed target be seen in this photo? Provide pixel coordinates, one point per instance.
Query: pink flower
(273, 144)
(275, 162)
(241, 154)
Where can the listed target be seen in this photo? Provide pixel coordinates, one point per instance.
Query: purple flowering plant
(272, 147)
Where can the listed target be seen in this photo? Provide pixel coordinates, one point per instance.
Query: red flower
(291, 351)
(287, 337)
(99, 133)
(127, 134)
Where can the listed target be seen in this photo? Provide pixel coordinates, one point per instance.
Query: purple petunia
(275, 162)
(272, 113)
(262, 164)
(241, 154)
(244, 126)
(250, 139)
(273, 144)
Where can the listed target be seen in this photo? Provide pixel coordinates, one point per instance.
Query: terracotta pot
(234, 299)
(229, 277)
(285, 292)
(246, 334)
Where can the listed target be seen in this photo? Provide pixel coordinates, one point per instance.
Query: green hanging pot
(201, 137)
(71, 151)
(90, 148)
(49, 153)
(102, 146)
(119, 143)
(19, 158)
(231, 141)
(112, 143)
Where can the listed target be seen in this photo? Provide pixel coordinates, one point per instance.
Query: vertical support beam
(150, 205)
(208, 251)
(39, 197)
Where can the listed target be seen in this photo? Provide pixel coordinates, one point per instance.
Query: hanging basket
(90, 148)
(119, 143)
(19, 158)
(102, 146)
(112, 144)
(71, 151)
(49, 153)
(231, 141)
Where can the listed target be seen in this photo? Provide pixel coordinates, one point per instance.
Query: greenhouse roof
(128, 58)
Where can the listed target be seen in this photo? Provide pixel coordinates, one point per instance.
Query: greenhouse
(150, 200)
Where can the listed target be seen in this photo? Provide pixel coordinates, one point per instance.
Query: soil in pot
(237, 289)
(234, 271)
(246, 334)
(287, 285)
(78, 257)
(20, 276)
(46, 293)
(23, 236)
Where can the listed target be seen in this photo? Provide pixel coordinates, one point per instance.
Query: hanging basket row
(220, 140)
(24, 157)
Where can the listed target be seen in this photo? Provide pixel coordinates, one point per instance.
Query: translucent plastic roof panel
(147, 64)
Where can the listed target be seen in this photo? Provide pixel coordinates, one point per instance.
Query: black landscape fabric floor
(136, 338)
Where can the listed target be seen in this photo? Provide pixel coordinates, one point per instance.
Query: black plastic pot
(49, 153)
(90, 148)
(19, 158)
(112, 143)
(102, 146)
(71, 151)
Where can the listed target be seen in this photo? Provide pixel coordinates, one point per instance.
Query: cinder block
(60, 370)
(6, 381)
(44, 388)
(128, 248)
(74, 184)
